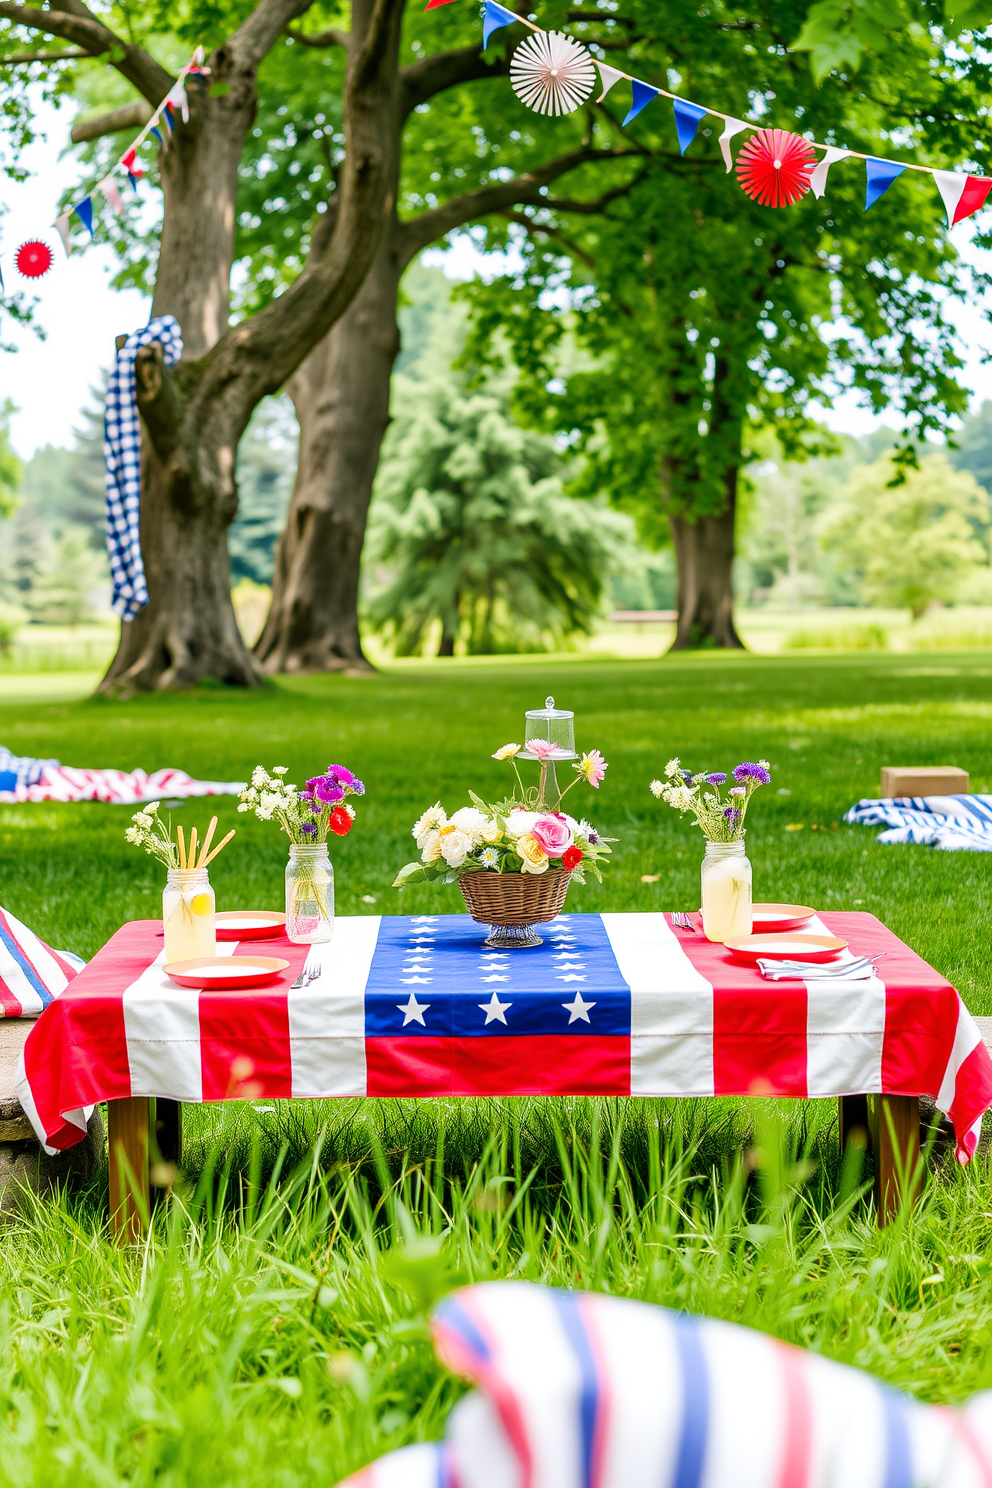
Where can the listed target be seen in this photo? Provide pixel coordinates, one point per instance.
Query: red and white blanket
(614, 1004)
(57, 782)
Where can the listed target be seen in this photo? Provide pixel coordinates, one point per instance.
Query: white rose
(455, 847)
(519, 822)
(432, 821)
(492, 831)
(471, 821)
(430, 848)
(259, 776)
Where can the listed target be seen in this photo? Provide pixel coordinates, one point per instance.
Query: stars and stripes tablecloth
(613, 1004)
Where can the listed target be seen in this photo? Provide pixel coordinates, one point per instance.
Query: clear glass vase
(309, 894)
(725, 885)
(188, 915)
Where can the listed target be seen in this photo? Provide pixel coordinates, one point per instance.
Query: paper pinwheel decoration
(551, 73)
(33, 259)
(774, 167)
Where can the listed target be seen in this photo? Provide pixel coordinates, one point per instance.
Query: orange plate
(249, 924)
(767, 918)
(787, 947)
(225, 973)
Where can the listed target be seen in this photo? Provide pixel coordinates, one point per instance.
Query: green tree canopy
(471, 527)
(11, 469)
(912, 542)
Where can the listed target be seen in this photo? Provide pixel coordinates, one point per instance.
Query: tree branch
(533, 227)
(525, 188)
(329, 38)
(158, 398)
(374, 44)
(257, 35)
(83, 28)
(129, 116)
(422, 80)
(592, 209)
(43, 57)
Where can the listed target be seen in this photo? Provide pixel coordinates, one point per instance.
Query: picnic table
(612, 1004)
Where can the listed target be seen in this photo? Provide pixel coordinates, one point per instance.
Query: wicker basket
(515, 898)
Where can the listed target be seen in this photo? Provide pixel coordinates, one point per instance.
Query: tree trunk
(341, 396)
(194, 414)
(704, 553)
(188, 629)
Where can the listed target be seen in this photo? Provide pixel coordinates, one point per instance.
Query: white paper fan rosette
(551, 73)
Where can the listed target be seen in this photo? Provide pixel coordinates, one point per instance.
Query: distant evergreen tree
(11, 469)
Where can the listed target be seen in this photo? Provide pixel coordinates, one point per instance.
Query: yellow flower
(491, 831)
(533, 854)
(508, 751)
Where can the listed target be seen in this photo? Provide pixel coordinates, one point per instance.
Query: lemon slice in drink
(200, 904)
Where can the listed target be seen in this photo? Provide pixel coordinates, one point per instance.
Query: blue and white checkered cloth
(122, 454)
(18, 770)
(955, 823)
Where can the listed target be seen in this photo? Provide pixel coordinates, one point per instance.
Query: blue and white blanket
(955, 823)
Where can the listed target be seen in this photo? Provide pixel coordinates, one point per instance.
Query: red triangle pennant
(433, 4)
(976, 189)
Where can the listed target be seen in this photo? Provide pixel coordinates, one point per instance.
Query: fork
(311, 969)
(683, 922)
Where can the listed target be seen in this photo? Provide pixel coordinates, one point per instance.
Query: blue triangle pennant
(84, 211)
(881, 174)
(495, 17)
(643, 94)
(687, 117)
(157, 134)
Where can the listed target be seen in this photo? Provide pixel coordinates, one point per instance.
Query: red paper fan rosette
(774, 167)
(33, 259)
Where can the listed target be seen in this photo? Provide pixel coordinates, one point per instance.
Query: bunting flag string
(34, 259)
(789, 157)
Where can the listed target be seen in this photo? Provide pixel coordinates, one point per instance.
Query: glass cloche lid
(553, 725)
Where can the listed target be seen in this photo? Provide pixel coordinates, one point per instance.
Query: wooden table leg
(128, 1131)
(852, 1118)
(895, 1123)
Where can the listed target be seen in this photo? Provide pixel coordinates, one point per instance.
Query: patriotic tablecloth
(614, 1004)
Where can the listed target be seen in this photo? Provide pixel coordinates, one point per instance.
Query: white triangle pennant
(609, 75)
(730, 128)
(109, 188)
(951, 187)
(62, 228)
(818, 178)
(177, 97)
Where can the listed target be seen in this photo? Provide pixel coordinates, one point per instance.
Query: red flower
(340, 821)
(571, 857)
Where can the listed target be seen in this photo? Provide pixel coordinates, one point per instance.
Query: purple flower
(309, 828)
(326, 790)
(758, 773)
(686, 776)
(344, 777)
(716, 778)
(592, 838)
(732, 814)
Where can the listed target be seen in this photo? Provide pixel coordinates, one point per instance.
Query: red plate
(767, 918)
(787, 947)
(249, 924)
(225, 973)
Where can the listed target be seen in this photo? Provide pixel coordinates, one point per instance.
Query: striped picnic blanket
(23, 780)
(31, 973)
(575, 1390)
(955, 823)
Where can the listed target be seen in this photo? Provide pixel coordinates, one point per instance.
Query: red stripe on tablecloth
(76, 1054)
(797, 1444)
(972, 1098)
(549, 1064)
(244, 1045)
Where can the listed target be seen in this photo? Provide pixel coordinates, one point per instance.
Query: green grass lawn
(274, 1331)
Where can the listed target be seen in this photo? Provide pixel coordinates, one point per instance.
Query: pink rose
(552, 835)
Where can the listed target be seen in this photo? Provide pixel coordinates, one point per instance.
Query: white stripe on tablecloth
(162, 1028)
(671, 1008)
(966, 1038)
(327, 1019)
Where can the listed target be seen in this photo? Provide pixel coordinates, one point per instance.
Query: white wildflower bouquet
(306, 815)
(149, 831)
(521, 834)
(719, 814)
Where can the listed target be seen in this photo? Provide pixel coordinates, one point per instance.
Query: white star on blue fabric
(416, 981)
(496, 978)
(494, 1010)
(570, 977)
(423, 919)
(418, 966)
(577, 1009)
(413, 1011)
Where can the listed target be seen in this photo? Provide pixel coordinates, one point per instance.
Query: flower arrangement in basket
(306, 816)
(513, 859)
(725, 884)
